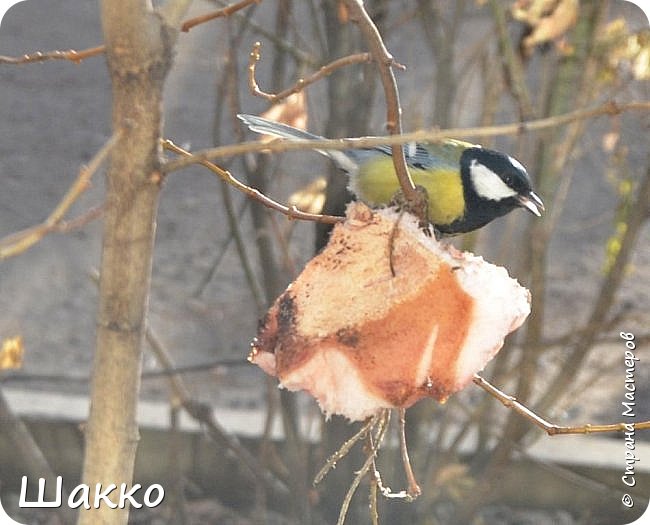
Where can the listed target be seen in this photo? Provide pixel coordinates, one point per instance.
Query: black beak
(532, 203)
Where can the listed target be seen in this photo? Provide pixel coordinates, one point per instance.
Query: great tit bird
(467, 185)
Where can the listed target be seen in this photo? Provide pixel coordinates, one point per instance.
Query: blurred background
(221, 260)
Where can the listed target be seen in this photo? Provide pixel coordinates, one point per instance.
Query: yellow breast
(376, 184)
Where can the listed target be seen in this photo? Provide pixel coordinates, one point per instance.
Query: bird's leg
(418, 207)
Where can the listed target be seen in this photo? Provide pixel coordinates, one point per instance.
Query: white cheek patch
(488, 184)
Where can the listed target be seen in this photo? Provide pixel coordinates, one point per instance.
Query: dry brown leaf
(11, 353)
(531, 11)
(310, 198)
(554, 25)
(624, 49)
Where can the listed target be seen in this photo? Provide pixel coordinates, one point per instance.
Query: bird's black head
(494, 184)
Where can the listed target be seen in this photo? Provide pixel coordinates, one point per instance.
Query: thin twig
(237, 236)
(345, 449)
(385, 63)
(516, 77)
(16, 243)
(203, 413)
(36, 465)
(220, 13)
(220, 254)
(345, 505)
(291, 212)
(606, 296)
(41, 56)
(550, 428)
(254, 58)
(77, 56)
(372, 502)
(80, 221)
(301, 57)
(202, 368)
(198, 157)
(381, 421)
(413, 489)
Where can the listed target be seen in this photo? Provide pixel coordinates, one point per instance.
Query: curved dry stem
(302, 83)
(413, 490)
(385, 63)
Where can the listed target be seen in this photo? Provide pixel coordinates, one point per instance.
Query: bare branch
(380, 425)
(385, 63)
(203, 413)
(516, 78)
(173, 11)
(345, 448)
(24, 445)
(18, 242)
(550, 428)
(220, 13)
(80, 221)
(609, 108)
(291, 212)
(302, 83)
(413, 490)
(606, 296)
(71, 55)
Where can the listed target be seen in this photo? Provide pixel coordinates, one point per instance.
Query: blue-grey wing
(443, 155)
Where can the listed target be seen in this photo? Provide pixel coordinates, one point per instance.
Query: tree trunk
(138, 51)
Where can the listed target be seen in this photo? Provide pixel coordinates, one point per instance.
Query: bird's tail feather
(268, 127)
(276, 129)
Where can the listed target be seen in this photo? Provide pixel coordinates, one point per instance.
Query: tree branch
(70, 54)
(302, 83)
(16, 243)
(226, 11)
(291, 212)
(173, 11)
(198, 157)
(385, 63)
